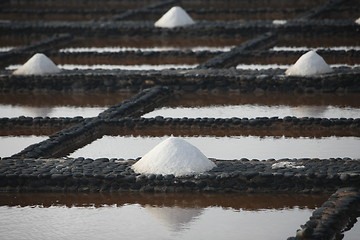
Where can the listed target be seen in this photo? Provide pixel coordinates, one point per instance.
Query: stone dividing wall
(64, 142)
(116, 175)
(227, 58)
(336, 216)
(159, 126)
(201, 28)
(272, 80)
(260, 126)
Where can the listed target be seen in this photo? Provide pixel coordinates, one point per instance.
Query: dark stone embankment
(342, 80)
(336, 216)
(116, 175)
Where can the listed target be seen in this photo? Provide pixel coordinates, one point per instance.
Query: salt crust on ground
(173, 156)
(39, 64)
(286, 165)
(175, 17)
(309, 64)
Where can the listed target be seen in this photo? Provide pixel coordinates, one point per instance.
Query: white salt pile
(39, 64)
(279, 22)
(309, 64)
(173, 156)
(357, 21)
(175, 17)
(286, 165)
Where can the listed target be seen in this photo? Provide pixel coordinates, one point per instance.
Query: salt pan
(39, 64)
(309, 64)
(173, 156)
(175, 17)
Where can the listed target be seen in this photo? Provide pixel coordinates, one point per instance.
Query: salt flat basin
(113, 67)
(154, 216)
(284, 66)
(11, 145)
(228, 148)
(63, 111)
(142, 49)
(250, 105)
(253, 111)
(57, 104)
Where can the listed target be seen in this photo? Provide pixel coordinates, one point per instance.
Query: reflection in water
(37, 112)
(235, 147)
(174, 218)
(131, 216)
(319, 111)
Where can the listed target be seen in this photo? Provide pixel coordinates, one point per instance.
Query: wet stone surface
(114, 175)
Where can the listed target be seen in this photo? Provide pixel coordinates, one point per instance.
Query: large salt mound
(175, 17)
(357, 21)
(39, 64)
(309, 64)
(173, 156)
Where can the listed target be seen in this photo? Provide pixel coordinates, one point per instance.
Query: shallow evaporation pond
(11, 145)
(304, 48)
(154, 216)
(145, 49)
(57, 105)
(114, 67)
(228, 148)
(254, 110)
(61, 111)
(283, 66)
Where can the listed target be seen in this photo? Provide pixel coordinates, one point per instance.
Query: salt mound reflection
(174, 218)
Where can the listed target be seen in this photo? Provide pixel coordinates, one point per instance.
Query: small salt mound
(39, 64)
(357, 21)
(173, 156)
(309, 64)
(279, 22)
(175, 17)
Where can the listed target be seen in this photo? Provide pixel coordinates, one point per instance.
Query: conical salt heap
(175, 17)
(39, 64)
(173, 156)
(309, 64)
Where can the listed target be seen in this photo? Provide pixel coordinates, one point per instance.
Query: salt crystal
(309, 64)
(39, 64)
(173, 156)
(175, 17)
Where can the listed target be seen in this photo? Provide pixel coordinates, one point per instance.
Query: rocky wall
(272, 80)
(116, 175)
(333, 218)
